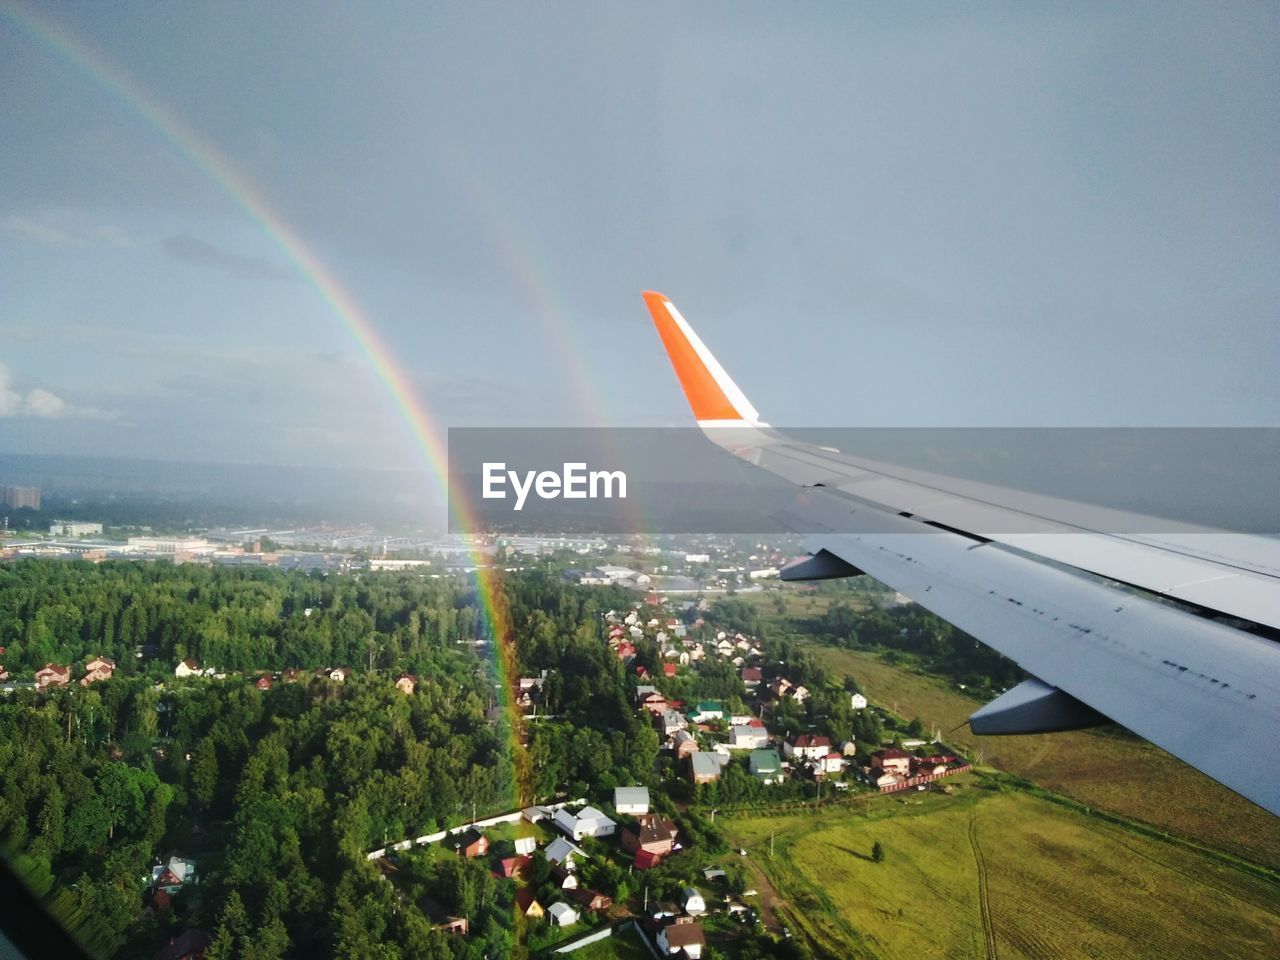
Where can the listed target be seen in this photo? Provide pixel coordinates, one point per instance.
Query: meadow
(986, 872)
(1109, 769)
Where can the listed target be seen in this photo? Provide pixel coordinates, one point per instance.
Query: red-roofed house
(669, 669)
(99, 668)
(516, 867)
(52, 675)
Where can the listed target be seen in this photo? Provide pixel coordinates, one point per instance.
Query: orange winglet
(705, 396)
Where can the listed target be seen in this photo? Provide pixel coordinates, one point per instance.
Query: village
(555, 855)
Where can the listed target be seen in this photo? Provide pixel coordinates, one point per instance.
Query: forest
(275, 794)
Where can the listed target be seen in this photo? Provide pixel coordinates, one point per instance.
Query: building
(99, 668)
(766, 765)
(683, 939)
(562, 915)
(406, 683)
(808, 746)
(587, 822)
(858, 701)
(892, 761)
(707, 710)
(562, 851)
(631, 800)
(705, 766)
(74, 528)
(189, 945)
(20, 497)
(748, 738)
(527, 904)
(171, 545)
(174, 875)
(187, 668)
(470, 844)
(653, 834)
(683, 744)
(692, 902)
(52, 675)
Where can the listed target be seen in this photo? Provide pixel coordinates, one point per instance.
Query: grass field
(621, 946)
(1113, 772)
(984, 873)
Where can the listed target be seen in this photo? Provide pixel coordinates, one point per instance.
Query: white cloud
(42, 404)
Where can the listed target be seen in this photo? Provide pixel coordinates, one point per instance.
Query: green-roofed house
(707, 710)
(766, 765)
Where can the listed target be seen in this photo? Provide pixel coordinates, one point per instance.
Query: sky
(1002, 215)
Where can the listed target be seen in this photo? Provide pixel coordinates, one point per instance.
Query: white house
(631, 800)
(562, 915)
(526, 845)
(858, 701)
(692, 902)
(748, 738)
(187, 668)
(807, 745)
(587, 822)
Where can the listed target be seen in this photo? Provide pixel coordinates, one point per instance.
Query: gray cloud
(201, 253)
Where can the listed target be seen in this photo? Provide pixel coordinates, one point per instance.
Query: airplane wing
(1174, 635)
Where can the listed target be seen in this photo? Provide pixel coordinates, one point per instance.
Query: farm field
(1109, 771)
(983, 873)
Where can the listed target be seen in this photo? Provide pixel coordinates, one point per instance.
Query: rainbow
(186, 141)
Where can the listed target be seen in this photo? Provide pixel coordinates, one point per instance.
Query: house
(707, 710)
(740, 719)
(766, 765)
(833, 762)
(669, 670)
(652, 834)
(263, 682)
(292, 675)
(592, 900)
(892, 761)
(174, 875)
(527, 904)
(564, 879)
(188, 945)
(668, 722)
(692, 902)
(748, 738)
(514, 868)
(454, 926)
(654, 702)
(683, 744)
(526, 845)
(469, 844)
(52, 675)
(406, 683)
(644, 860)
(631, 800)
(563, 915)
(99, 668)
(561, 850)
(807, 746)
(849, 748)
(187, 668)
(858, 701)
(339, 674)
(587, 822)
(704, 766)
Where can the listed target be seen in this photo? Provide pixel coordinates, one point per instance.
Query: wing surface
(1171, 634)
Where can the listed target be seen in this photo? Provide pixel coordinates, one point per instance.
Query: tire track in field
(984, 899)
